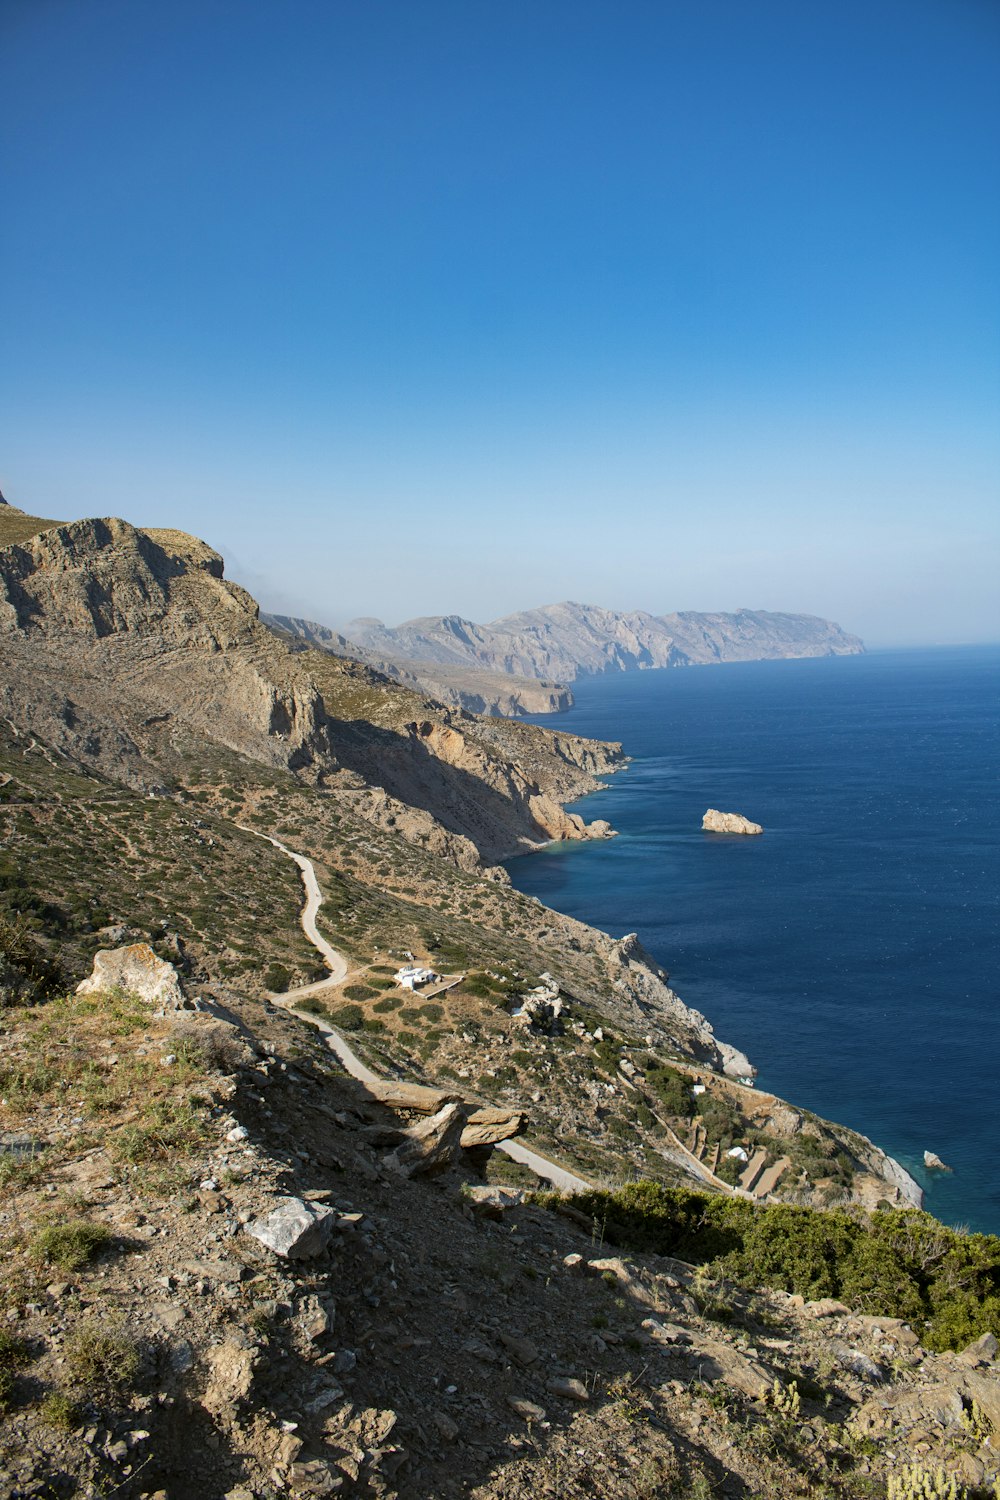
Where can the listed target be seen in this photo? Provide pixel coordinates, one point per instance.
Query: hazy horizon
(452, 309)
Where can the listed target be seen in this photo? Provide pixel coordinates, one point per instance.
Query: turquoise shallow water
(852, 950)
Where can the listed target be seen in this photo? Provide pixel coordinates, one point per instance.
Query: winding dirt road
(561, 1179)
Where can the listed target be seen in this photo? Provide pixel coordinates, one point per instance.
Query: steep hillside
(439, 1335)
(479, 691)
(434, 1337)
(17, 526)
(564, 641)
(115, 638)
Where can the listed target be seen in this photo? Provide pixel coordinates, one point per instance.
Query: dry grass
(15, 526)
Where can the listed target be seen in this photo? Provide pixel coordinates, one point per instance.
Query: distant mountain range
(560, 642)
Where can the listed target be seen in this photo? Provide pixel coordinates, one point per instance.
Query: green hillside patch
(898, 1263)
(78, 852)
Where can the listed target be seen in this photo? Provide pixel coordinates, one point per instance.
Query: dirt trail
(559, 1177)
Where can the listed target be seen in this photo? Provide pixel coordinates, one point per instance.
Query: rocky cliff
(116, 639)
(565, 641)
(478, 690)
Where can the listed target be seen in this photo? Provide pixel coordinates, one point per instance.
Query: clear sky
(428, 306)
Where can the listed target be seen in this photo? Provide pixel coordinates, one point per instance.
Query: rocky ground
(440, 1338)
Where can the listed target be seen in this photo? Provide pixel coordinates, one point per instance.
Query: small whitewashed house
(413, 976)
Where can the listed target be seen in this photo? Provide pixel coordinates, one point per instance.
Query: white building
(413, 976)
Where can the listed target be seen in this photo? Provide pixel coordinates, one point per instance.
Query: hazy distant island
(522, 663)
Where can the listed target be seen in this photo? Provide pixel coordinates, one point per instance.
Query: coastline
(879, 1162)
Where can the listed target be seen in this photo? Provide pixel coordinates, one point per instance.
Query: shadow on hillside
(438, 1377)
(495, 820)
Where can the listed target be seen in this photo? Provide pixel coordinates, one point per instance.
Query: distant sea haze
(851, 950)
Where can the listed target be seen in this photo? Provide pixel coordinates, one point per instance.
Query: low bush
(358, 991)
(102, 1358)
(895, 1262)
(212, 1046)
(348, 1017)
(313, 1007)
(71, 1244)
(671, 1090)
(277, 978)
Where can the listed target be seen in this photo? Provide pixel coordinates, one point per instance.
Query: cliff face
(468, 687)
(565, 641)
(118, 640)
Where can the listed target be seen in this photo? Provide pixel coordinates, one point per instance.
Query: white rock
(294, 1229)
(136, 970)
(720, 822)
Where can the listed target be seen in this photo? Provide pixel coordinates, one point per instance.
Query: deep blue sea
(852, 951)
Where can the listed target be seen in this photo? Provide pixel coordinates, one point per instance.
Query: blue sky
(457, 306)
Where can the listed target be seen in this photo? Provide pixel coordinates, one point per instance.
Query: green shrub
(313, 1007)
(168, 1126)
(387, 1005)
(26, 974)
(895, 1262)
(671, 1090)
(102, 1357)
(722, 1120)
(358, 991)
(71, 1244)
(277, 978)
(59, 1410)
(348, 1017)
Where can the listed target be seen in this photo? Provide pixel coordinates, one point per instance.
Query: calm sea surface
(852, 951)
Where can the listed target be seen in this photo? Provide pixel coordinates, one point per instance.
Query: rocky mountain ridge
(479, 691)
(112, 636)
(565, 641)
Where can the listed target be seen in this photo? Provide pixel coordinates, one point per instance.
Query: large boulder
(136, 970)
(723, 822)
(395, 1094)
(294, 1229)
(431, 1146)
(488, 1126)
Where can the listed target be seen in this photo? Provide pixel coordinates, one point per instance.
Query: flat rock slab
(395, 1094)
(568, 1388)
(718, 1362)
(294, 1229)
(489, 1200)
(488, 1126)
